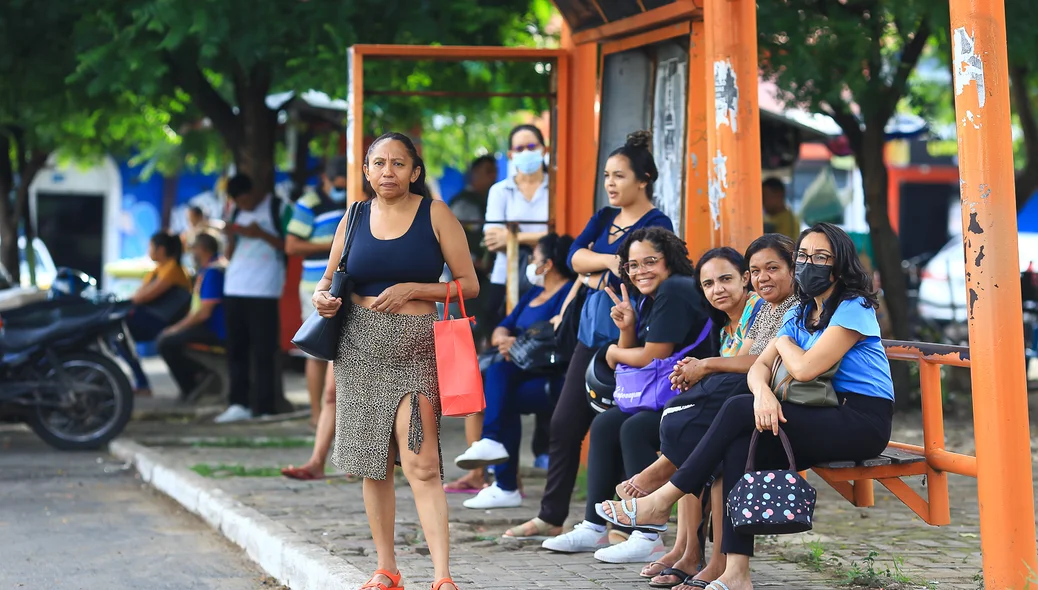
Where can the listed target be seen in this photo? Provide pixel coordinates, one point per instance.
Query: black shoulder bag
(535, 350)
(319, 336)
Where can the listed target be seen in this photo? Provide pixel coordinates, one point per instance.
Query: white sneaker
(640, 548)
(235, 413)
(581, 539)
(482, 453)
(494, 497)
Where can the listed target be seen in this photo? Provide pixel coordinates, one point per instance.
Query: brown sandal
(542, 531)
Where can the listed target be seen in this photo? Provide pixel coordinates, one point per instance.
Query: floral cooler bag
(772, 501)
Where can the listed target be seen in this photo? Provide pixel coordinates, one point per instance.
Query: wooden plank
(901, 457)
(837, 465)
(876, 461)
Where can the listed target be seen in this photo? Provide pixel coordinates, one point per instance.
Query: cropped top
(415, 257)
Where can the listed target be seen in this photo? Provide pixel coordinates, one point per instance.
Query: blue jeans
(511, 392)
(144, 327)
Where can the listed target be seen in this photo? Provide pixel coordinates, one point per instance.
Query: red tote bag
(457, 368)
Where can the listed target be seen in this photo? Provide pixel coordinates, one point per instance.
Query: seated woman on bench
(834, 323)
(511, 391)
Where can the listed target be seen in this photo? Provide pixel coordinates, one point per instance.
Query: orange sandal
(438, 583)
(394, 579)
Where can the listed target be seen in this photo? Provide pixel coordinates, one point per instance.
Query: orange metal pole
(1004, 484)
(699, 234)
(355, 126)
(733, 122)
(575, 201)
(933, 439)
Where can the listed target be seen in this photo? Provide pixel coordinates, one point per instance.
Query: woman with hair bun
(629, 174)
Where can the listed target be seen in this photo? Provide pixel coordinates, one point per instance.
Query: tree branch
(189, 77)
(1027, 180)
(841, 113)
(911, 51)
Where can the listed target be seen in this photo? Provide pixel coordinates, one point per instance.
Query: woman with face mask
(835, 322)
(522, 196)
(510, 391)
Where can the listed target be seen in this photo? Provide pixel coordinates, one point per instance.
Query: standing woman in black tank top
(387, 398)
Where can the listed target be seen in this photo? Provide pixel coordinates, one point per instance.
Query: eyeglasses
(648, 263)
(819, 259)
(522, 148)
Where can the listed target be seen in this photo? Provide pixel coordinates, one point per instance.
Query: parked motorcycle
(58, 373)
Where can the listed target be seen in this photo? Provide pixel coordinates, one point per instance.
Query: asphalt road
(84, 521)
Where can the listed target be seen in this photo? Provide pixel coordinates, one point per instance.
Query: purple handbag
(649, 387)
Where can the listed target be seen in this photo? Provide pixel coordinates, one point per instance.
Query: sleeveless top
(415, 257)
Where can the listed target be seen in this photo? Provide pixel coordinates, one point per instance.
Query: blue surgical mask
(338, 195)
(529, 161)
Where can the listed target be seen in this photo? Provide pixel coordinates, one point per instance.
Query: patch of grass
(892, 577)
(223, 470)
(255, 443)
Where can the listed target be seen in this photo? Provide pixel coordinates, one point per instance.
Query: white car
(942, 285)
(45, 269)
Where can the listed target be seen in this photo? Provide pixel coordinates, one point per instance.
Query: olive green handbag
(816, 392)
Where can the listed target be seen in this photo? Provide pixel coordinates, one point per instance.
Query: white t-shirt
(256, 268)
(507, 203)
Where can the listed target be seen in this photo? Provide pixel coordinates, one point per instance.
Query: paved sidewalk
(884, 546)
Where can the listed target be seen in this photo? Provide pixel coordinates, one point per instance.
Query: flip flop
(461, 487)
(695, 583)
(654, 574)
(717, 585)
(300, 474)
(438, 583)
(632, 513)
(670, 571)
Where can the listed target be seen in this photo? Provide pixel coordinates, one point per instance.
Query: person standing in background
(778, 217)
(316, 216)
(252, 287)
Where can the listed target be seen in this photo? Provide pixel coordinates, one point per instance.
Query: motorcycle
(58, 372)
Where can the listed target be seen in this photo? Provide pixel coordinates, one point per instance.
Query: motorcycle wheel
(95, 410)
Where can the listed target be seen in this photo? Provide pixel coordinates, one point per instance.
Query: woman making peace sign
(667, 314)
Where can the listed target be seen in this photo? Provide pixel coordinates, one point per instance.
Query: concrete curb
(281, 552)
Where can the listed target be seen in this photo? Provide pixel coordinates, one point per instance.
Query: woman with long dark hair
(630, 172)
(387, 395)
(834, 323)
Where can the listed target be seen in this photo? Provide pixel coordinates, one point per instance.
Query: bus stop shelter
(688, 70)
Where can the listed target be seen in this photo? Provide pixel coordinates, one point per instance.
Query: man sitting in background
(204, 324)
(778, 218)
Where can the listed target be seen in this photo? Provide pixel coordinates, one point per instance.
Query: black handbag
(566, 333)
(319, 336)
(772, 501)
(171, 306)
(534, 350)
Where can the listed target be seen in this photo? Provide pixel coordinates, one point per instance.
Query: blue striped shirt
(315, 220)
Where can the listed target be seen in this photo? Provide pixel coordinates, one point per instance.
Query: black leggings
(688, 416)
(857, 429)
(621, 445)
(569, 425)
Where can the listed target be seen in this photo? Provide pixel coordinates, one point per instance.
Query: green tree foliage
(852, 60)
(228, 55)
(40, 111)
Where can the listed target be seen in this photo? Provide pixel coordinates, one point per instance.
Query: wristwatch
(587, 280)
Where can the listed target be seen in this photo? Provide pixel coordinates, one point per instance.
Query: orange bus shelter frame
(722, 207)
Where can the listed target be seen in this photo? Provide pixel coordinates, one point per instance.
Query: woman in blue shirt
(510, 391)
(630, 172)
(834, 323)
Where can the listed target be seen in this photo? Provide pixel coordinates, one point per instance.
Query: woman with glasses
(834, 323)
(630, 172)
(667, 313)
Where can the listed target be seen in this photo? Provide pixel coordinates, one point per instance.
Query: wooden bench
(214, 358)
(854, 481)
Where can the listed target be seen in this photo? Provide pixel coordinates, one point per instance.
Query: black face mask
(813, 278)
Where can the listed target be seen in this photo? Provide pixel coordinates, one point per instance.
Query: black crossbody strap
(352, 219)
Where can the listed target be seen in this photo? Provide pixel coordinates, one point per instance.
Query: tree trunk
(1026, 179)
(886, 249)
(8, 219)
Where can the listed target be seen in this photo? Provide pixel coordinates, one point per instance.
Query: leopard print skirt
(382, 358)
